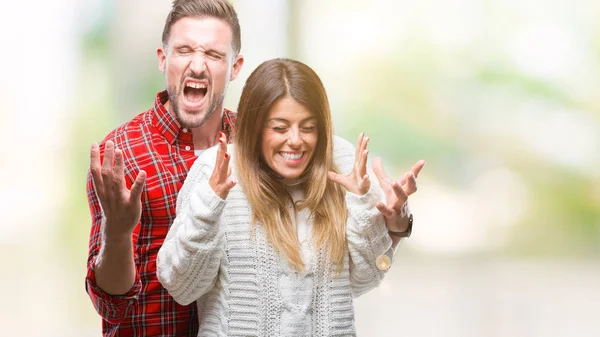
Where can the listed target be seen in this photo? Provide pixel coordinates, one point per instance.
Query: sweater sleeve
(366, 231)
(367, 238)
(188, 261)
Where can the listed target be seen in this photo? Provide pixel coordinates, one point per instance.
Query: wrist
(115, 237)
(405, 230)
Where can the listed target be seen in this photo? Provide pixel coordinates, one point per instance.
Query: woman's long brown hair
(265, 190)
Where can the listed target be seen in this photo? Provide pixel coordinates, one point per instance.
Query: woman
(283, 252)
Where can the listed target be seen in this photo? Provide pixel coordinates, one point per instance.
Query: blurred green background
(500, 97)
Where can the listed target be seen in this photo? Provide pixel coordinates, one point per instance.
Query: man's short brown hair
(219, 9)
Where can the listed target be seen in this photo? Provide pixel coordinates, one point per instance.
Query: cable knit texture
(243, 287)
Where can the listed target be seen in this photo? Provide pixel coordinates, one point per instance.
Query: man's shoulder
(136, 128)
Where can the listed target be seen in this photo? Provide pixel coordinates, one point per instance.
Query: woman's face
(289, 138)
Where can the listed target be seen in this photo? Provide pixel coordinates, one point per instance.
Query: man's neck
(207, 135)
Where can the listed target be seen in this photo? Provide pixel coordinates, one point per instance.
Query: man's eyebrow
(212, 50)
(180, 45)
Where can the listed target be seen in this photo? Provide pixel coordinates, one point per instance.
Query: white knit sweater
(243, 287)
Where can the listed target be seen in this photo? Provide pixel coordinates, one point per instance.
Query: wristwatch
(408, 230)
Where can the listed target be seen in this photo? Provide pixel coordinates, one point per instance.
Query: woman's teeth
(291, 156)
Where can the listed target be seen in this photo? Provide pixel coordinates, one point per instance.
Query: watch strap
(408, 230)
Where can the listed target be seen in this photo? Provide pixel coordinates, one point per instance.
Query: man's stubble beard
(212, 107)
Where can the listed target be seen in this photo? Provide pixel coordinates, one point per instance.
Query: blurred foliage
(428, 102)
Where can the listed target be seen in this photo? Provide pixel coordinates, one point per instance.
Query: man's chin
(188, 120)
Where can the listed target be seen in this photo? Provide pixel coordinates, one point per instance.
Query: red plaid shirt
(153, 141)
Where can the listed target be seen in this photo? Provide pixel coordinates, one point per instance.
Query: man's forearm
(115, 267)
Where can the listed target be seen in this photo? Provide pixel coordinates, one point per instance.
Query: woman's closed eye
(308, 128)
(279, 128)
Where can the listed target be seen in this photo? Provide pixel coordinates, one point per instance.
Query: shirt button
(185, 130)
(383, 262)
(187, 148)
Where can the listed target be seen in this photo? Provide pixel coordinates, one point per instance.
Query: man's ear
(162, 59)
(237, 66)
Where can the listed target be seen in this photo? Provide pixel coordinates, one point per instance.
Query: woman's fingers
(218, 181)
(224, 169)
(358, 146)
(411, 185)
(336, 178)
(383, 209)
(416, 169)
(401, 197)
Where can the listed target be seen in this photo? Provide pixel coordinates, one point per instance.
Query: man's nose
(198, 63)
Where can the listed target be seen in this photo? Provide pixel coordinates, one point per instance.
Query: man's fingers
(119, 176)
(95, 168)
(107, 162)
(138, 185)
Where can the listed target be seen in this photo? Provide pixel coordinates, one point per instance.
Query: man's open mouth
(194, 92)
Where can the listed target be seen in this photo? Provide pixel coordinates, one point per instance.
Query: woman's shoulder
(201, 170)
(208, 158)
(343, 154)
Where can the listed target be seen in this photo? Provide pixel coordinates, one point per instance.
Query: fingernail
(94, 146)
(226, 155)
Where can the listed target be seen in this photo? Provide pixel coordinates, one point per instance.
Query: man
(132, 192)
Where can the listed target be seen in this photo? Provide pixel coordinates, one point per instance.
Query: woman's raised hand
(357, 181)
(219, 180)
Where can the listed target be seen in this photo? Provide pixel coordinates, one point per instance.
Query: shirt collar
(169, 126)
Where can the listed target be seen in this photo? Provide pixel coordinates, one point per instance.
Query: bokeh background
(500, 97)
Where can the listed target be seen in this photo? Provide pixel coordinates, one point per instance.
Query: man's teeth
(292, 156)
(196, 85)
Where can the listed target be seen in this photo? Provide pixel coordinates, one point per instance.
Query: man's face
(198, 63)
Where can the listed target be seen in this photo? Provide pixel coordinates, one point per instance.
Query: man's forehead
(202, 31)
